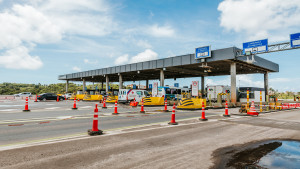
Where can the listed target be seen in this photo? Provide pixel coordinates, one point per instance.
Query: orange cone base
(226, 115)
(172, 123)
(165, 110)
(26, 110)
(203, 119)
(35, 101)
(74, 108)
(94, 133)
(253, 113)
(104, 107)
(142, 111)
(115, 113)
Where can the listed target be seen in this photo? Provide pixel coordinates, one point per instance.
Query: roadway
(52, 120)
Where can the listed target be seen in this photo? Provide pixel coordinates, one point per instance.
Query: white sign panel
(155, 89)
(195, 88)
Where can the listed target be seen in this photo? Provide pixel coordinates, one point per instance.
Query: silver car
(25, 94)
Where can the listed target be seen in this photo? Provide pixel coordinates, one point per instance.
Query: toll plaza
(227, 61)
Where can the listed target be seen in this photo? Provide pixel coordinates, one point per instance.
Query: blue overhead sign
(150, 86)
(176, 84)
(295, 40)
(134, 86)
(256, 46)
(203, 52)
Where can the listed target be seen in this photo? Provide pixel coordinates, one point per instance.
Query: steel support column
(147, 84)
(67, 86)
(120, 82)
(107, 84)
(162, 78)
(233, 82)
(83, 85)
(266, 84)
(202, 86)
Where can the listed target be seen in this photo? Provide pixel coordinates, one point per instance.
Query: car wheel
(44, 99)
(61, 99)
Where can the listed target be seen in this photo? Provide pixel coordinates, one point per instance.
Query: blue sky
(41, 39)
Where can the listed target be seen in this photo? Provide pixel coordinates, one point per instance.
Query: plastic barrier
(111, 99)
(191, 104)
(92, 97)
(153, 101)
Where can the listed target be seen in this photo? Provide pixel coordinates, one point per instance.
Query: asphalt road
(50, 120)
(191, 144)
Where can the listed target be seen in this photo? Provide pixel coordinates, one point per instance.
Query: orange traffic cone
(116, 109)
(203, 113)
(26, 105)
(226, 110)
(104, 104)
(173, 122)
(142, 107)
(35, 98)
(166, 106)
(95, 130)
(57, 99)
(74, 105)
(252, 110)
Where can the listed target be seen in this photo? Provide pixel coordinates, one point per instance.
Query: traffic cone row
(95, 130)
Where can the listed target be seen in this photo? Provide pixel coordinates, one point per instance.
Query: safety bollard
(74, 105)
(173, 122)
(203, 113)
(116, 109)
(26, 105)
(95, 130)
(166, 106)
(226, 110)
(57, 99)
(142, 107)
(104, 104)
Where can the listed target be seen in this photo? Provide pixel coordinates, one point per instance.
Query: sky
(41, 39)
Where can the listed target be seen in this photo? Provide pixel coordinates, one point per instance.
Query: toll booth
(254, 94)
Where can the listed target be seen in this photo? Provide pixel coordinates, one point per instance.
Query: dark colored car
(49, 96)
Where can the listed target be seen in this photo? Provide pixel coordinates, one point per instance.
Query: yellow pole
(247, 101)
(260, 101)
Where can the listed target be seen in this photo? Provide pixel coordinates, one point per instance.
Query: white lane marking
(11, 105)
(49, 104)
(9, 110)
(63, 117)
(51, 108)
(84, 107)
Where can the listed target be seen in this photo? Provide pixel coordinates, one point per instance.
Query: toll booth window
(168, 91)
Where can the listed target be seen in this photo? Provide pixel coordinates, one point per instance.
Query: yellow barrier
(92, 97)
(153, 101)
(191, 104)
(111, 99)
(277, 107)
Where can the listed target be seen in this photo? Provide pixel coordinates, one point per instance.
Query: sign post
(202, 52)
(255, 46)
(195, 88)
(295, 40)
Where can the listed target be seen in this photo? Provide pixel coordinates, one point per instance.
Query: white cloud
(121, 60)
(259, 18)
(241, 81)
(161, 31)
(18, 58)
(143, 44)
(147, 55)
(36, 22)
(75, 68)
